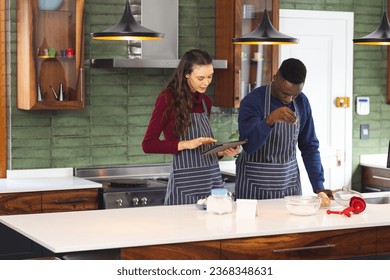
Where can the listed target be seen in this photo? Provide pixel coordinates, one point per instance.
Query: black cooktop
(134, 183)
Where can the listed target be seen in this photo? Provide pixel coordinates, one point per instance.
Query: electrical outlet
(364, 131)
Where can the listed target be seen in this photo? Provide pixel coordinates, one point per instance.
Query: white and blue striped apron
(272, 171)
(193, 174)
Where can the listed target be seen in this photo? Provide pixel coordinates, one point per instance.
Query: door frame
(348, 18)
(3, 93)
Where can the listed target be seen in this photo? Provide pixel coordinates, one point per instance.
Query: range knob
(135, 201)
(119, 202)
(144, 201)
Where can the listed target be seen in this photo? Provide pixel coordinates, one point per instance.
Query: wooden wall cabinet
(39, 72)
(246, 70)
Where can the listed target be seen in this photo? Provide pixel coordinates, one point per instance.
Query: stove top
(129, 186)
(109, 173)
(133, 183)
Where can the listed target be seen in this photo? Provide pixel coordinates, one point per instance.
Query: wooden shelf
(37, 31)
(230, 23)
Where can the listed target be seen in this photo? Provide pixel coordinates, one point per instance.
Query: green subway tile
(149, 159)
(109, 140)
(32, 143)
(137, 130)
(72, 162)
(108, 151)
(31, 163)
(105, 90)
(109, 120)
(97, 131)
(31, 121)
(29, 152)
(70, 152)
(70, 121)
(109, 100)
(71, 131)
(109, 160)
(139, 120)
(31, 132)
(59, 142)
(109, 111)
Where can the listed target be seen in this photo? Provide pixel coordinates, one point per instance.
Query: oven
(129, 185)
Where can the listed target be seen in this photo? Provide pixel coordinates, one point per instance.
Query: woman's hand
(195, 143)
(230, 152)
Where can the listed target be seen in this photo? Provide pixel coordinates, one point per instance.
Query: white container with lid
(219, 202)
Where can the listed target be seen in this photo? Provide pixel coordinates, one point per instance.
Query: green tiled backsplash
(119, 101)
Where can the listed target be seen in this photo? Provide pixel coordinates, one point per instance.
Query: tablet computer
(223, 146)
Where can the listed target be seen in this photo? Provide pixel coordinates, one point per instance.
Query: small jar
(219, 202)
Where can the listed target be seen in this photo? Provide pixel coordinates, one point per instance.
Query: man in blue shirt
(275, 119)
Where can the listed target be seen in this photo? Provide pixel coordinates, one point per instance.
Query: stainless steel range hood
(162, 16)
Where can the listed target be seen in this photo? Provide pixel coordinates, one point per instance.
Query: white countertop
(129, 227)
(51, 179)
(374, 160)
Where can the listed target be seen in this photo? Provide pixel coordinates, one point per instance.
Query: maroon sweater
(160, 123)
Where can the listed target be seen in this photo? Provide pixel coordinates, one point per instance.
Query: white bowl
(302, 205)
(49, 5)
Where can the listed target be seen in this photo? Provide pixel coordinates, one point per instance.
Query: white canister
(219, 202)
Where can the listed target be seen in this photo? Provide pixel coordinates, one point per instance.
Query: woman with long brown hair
(181, 113)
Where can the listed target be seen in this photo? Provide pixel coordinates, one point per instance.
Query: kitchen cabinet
(20, 203)
(16, 246)
(375, 179)
(323, 245)
(50, 55)
(48, 201)
(383, 241)
(202, 250)
(337, 244)
(249, 66)
(75, 200)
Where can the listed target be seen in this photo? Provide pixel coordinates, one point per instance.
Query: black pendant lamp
(127, 29)
(265, 34)
(381, 36)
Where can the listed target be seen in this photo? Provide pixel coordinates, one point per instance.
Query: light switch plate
(364, 131)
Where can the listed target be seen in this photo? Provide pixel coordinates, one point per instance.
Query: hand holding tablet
(223, 146)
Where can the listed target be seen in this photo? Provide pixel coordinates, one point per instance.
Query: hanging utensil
(54, 92)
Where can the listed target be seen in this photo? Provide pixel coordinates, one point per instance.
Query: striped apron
(272, 171)
(194, 175)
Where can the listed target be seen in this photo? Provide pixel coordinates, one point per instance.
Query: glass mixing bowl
(302, 205)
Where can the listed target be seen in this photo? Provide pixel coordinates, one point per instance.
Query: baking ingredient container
(219, 202)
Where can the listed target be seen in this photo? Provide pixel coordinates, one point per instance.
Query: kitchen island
(175, 232)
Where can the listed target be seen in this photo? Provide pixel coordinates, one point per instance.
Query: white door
(326, 48)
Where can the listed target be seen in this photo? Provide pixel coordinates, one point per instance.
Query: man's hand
(282, 114)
